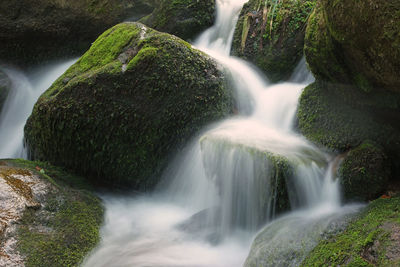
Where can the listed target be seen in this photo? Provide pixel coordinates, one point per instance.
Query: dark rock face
(5, 85)
(35, 31)
(128, 103)
(364, 173)
(359, 40)
(183, 18)
(272, 36)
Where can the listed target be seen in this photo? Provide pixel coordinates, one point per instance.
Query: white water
(216, 194)
(25, 90)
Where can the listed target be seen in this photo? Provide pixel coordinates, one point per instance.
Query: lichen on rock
(46, 217)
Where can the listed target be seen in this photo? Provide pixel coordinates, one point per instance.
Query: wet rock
(44, 221)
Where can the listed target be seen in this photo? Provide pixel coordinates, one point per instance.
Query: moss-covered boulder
(247, 176)
(34, 31)
(361, 37)
(365, 172)
(372, 239)
(183, 18)
(48, 216)
(5, 86)
(320, 50)
(339, 117)
(271, 35)
(288, 240)
(130, 101)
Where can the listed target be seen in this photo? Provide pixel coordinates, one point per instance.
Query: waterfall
(223, 187)
(24, 92)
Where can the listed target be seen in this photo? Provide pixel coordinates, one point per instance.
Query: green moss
(365, 172)
(117, 122)
(367, 237)
(143, 53)
(64, 231)
(183, 18)
(271, 35)
(340, 117)
(107, 47)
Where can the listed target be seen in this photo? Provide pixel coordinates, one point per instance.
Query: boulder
(362, 38)
(126, 105)
(271, 35)
(341, 118)
(365, 172)
(183, 18)
(35, 31)
(371, 239)
(47, 216)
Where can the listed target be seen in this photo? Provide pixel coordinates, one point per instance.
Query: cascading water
(25, 90)
(217, 193)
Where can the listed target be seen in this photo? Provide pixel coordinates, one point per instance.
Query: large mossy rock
(126, 105)
(5, 86)
(372, 239)
(358, 41)
(48, 216)
(271, 35)
(34, 31)
(341, 118)
(183, 18)
(365, 172)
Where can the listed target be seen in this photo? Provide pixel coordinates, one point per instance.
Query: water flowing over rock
(130, 101)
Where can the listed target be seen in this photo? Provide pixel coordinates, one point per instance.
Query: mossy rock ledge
(48, 216)
(35, 31)
(371, 239)
(127, 104)
(271, 35)
(183, 18)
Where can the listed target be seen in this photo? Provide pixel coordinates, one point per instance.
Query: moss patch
(67, 227)
(271, 35)
(367, 241)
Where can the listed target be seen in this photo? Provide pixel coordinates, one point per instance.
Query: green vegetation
(271, 35)
(116, 117)
(67, 227)
(183, 18)
(372, 239)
